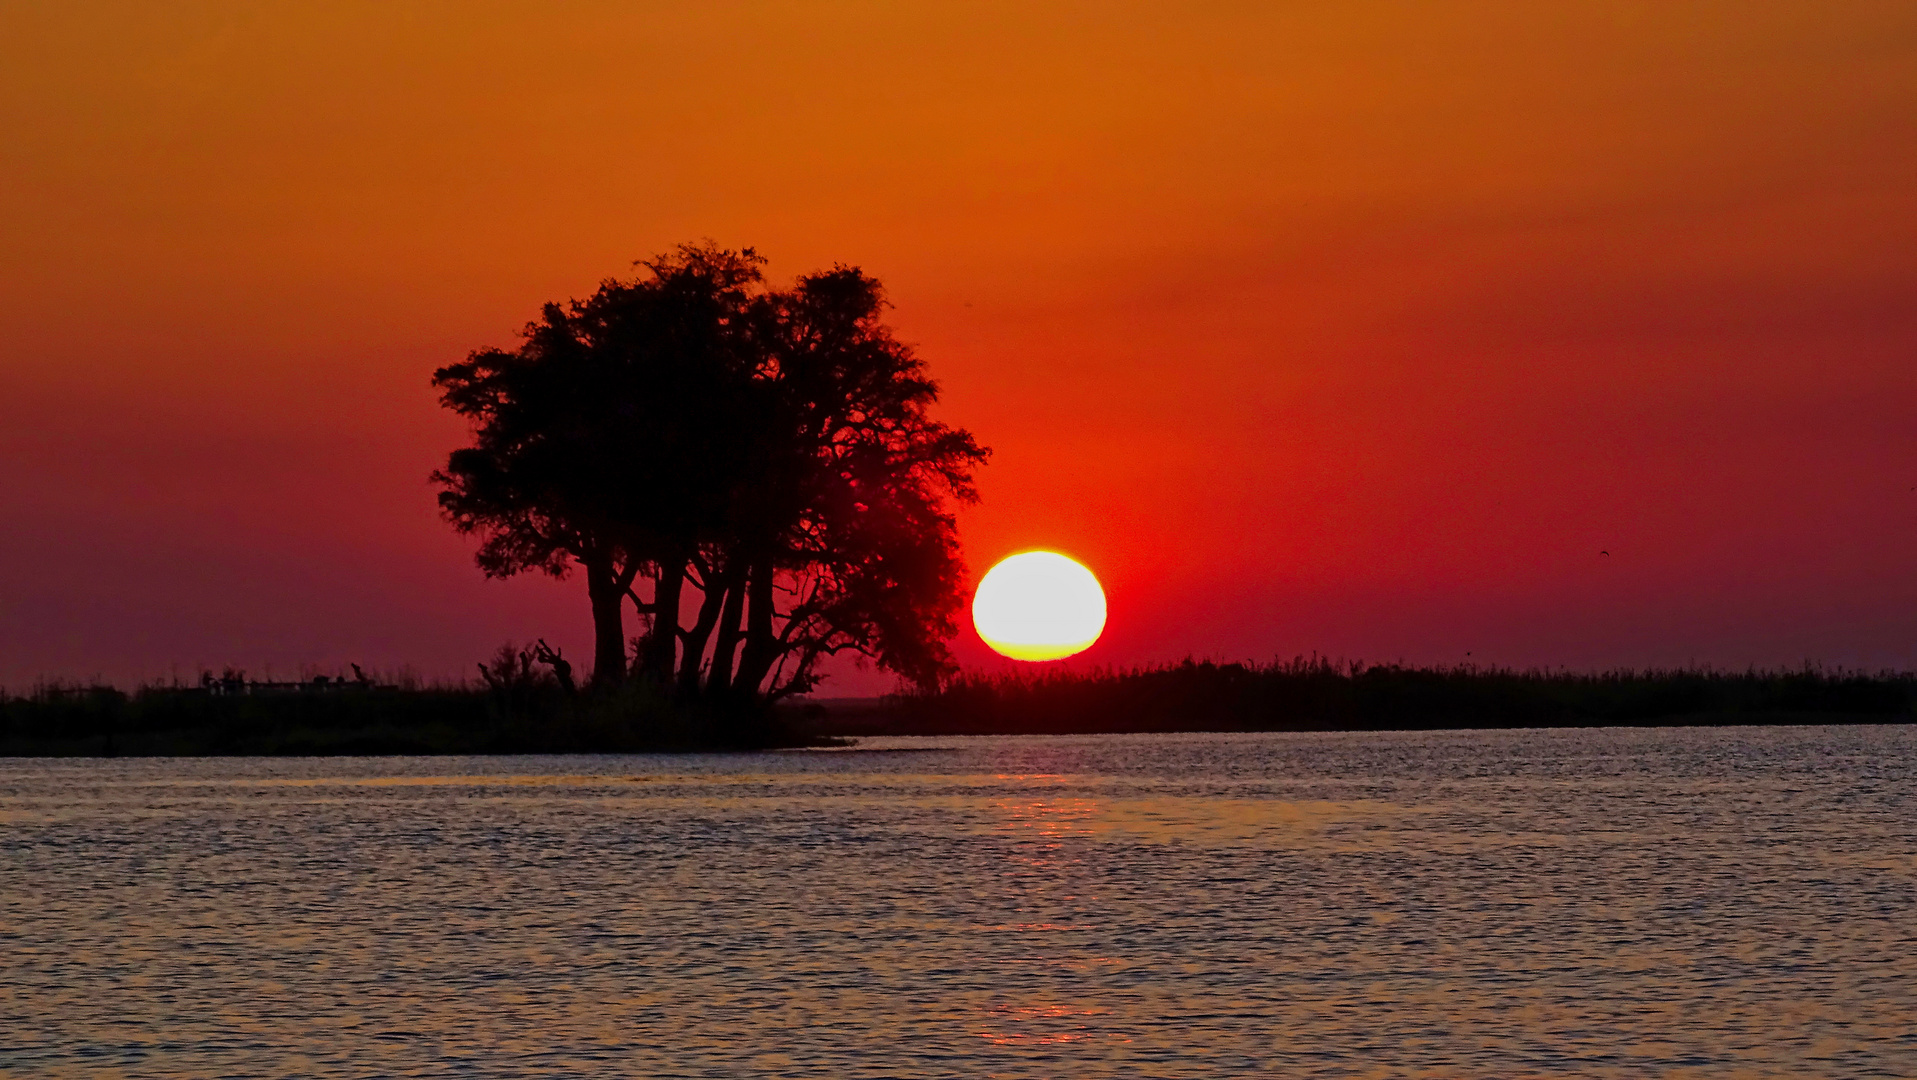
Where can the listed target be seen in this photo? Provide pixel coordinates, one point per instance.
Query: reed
(1320, 694)
(531, 715)
(522, 711)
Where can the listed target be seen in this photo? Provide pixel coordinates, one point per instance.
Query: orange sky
(1349, 328)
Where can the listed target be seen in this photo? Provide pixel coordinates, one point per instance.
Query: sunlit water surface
(1707, 903)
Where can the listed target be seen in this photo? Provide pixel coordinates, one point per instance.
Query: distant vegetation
(521, 709)
(1316, 694)
(516, 709)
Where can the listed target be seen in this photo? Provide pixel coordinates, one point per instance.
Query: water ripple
(1686, 903)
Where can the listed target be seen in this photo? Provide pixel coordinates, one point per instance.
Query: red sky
(1341, 328)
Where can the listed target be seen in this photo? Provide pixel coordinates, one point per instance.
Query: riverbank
(1316, 694)
(1301, 695)
(345, 719)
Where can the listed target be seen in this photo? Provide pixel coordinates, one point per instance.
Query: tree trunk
(719, 682)
(761, 646)
(701, 632)
(608, 622)
(661, 643)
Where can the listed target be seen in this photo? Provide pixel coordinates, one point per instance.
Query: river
(1730, 902)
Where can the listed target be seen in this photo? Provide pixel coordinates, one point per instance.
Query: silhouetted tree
(560, 666)
(843, 541)
(603, 441)
(770, 448)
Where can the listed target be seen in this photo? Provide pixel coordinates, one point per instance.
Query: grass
(523, 712)
(1317, 694)
(532, 716)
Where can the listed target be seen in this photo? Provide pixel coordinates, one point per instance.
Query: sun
(1038, 605)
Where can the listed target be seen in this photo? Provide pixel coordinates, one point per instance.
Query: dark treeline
(1316, 694)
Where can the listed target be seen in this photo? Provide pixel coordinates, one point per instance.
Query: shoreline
(1294, 696)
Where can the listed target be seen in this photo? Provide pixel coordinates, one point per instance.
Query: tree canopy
(754, 470)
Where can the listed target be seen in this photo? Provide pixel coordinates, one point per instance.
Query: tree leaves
(772, 448)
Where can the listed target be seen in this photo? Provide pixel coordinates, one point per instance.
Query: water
(1694, 903)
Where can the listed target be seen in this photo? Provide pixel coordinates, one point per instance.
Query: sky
(1354, 329)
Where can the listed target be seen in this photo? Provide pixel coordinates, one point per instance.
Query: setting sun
(1039, 605)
